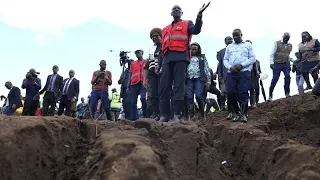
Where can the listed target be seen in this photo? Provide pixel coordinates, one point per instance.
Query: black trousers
(64, 104)
(30, 107)
(173, 78)
(48, 100)
(153, 98)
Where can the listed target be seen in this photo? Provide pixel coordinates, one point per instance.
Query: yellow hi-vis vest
(115, 101)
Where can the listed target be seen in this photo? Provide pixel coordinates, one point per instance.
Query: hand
(233, 69)
(119, 81)
(238, 67)
(14, 106)
(203, 8)
(314, 70)
(58, 99)
(271, 66)
(100, 75)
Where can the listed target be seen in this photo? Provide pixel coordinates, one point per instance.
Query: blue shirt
(81, 109)
(241, 53)
(32, 89)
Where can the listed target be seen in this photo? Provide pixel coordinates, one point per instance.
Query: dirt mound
(280, 141)
(149, 150)
(39, 148)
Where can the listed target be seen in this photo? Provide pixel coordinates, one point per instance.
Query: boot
(190, 111)
(243, 113)
(201, 108)
(230, 111)
(236, 116)
(155, 116)
(253, 100)
(222, 104)
(177, 111)
(164, 111)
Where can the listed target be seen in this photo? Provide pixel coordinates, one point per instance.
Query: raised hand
(204, 7)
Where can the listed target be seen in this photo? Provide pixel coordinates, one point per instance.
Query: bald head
(176, 12)
(8, 85)
(55, 69)
(176, 6)
(103, 65)
(71, 73)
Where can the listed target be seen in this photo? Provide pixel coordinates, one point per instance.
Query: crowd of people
(173, 81)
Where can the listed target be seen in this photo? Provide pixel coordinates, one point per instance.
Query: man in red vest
(136, 86)
(175, 49)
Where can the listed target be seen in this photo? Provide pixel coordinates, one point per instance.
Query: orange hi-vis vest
(137, 72)
(176, 38)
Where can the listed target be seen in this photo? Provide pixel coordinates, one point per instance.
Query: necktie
(66, 86)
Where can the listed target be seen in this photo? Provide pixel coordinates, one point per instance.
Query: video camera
(32, 75)
(124, 58)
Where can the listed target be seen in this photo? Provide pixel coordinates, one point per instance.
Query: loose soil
(280, 141)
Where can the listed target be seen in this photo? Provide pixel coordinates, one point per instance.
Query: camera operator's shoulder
(96, 72)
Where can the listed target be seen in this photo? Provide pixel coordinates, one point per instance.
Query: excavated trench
(279, 142)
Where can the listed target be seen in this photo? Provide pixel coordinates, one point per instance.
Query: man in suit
(13, 101)
(70, 93)
(53, 89)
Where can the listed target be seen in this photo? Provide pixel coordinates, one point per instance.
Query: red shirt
(101, 84)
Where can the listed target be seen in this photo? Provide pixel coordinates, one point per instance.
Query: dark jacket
(14, 97)
(73, 89)
(296, 67)
(32, 89)
(221, 70)
(57, 87)
(256, 70)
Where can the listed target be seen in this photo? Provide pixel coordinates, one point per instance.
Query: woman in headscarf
(309, 54)
(152, 73)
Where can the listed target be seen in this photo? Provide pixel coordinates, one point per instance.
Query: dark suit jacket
(73, 90)
(221, 70)
(14, 97)
(256, 70)
(58, 85)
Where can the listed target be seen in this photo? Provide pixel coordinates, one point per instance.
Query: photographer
(101, 80)
(124, 89)
(32, 84)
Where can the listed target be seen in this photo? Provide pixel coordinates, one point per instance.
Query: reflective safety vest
(137, 72)
(176, 38)
(115, 101)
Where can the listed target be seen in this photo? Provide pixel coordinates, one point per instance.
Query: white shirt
(66, 88)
